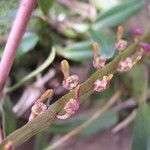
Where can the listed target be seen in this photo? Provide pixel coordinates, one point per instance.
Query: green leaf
(118, 14)
(28, 42)
(107, 44)
(103, 4)
(141, 130)
(45, 5)
(82, 51)
(40, 141)
(8, 117)
(137, 76)
(107, 120)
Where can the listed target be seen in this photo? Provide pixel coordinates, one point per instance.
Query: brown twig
(15, 36)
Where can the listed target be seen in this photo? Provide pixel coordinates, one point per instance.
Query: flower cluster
(71, 82)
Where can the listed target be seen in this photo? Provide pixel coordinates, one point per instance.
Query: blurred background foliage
(71, 27)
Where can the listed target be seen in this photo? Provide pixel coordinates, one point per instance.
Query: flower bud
(102, 85)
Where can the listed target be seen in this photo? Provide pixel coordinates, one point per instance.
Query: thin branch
(95, 116)
(15, 36)
(48, 117)
(123, 124)
(42, 67)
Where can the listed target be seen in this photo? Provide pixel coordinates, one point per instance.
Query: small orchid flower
(137, 32)
(71, 106)
(70, 81)
(102, 85)
(120, 44)
(99, 61)
(145, 46)
(39, 106)
(127, 64)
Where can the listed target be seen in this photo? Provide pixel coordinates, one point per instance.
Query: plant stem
(47, 62)
(95, 116)
(15, 36)
(48, 117)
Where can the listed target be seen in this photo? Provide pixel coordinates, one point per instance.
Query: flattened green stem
(46, 63)
(47, 118)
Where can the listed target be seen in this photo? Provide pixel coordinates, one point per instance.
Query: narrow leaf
(118, 14)
(141, 130)
(28, 42)
(8, 118)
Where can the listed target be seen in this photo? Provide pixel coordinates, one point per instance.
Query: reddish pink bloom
(102, 85)
(125, 65)
(121, 45)
(71, 106)
(98, 61)
(36, 109)
(70, 81)
(145, 46)
(137, 32)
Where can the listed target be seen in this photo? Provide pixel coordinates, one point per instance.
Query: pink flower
(137, 32)
(145, 46)
(71, 106)
(125, 65)
(121, 45)
(36, 109)
(70, 81)
(102, 85)
(98, 61)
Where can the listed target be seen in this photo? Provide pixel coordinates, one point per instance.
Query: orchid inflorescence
(71, 82)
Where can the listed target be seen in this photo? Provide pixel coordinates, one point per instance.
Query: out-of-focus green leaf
(141, 130)
(118, 14)
(40, 141)
(45, 5)
(136, 81)
(8, 118)
(28, 42)
(107, 44)
(82, 51)
(108, 119)
(103, 4)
